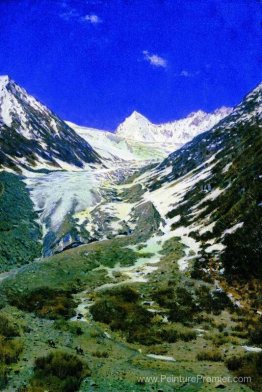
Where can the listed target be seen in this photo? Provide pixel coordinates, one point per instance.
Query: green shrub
(45, 302)
(164, 296)
(143, 335)
(234, 363)
(74, 328)
(187, 335)
(59, 371)
(180, 313)
(8, 327)
(100, 354)
(212, 301)
(219, 339)
(210, 355)
(248, 366)
(173, 333)
(112, 255)
(9, 350)
(126, 293)
(256, 334)
(120, 309)
(180, 302)
(10, 346)
(247, 264)
(169, 335)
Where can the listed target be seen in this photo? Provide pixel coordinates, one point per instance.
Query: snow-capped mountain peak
(136, 115)
(137, 138)
(139, 128)
(32, 135)
(135, 127)
(16, 105)
(4, 80)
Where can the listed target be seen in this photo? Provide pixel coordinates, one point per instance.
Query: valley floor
(127, 304)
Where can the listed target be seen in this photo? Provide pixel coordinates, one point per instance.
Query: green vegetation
(246, 244)
(210, 355)
(45, 302)
(19, 233)
(184, 316)
(173, 247)
(120, 309)
(69, 271)
(10, 346)
(239, 201)
(58, 372)
(247, 366)
(132, 194)
(186, 303)
(75, 328)
(174, 332)
(115, 254)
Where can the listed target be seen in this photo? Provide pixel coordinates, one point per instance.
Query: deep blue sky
(95, 61)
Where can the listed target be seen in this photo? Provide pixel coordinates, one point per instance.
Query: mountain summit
(139, 139)
(31, 135)
(139, 128)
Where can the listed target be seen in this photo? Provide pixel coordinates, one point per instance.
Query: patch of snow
(212, 195)
(232, 229)
(227, 167)
(252, 349)
(207, 228)
(161, 357)
(215, 248)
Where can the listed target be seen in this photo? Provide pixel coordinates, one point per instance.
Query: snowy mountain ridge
(43, 138)
(139, 128)
(112, 147)
(139, 139)
(31, 135)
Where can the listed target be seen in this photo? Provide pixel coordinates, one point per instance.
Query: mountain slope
(213, 191)
(20, 234)
(31, 136)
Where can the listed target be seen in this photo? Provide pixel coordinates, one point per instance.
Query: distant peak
(4, 77)
(136, 114)
(223, 110)
(198, 113)
(4, 80)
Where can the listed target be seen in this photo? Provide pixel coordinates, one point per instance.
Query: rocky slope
(33, 137)
(210, 191)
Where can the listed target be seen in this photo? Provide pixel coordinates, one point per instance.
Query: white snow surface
(57, 194)
(161, 357)
(137, 127)
(113, 147)
(139, 139)
(252, 349)
(232, 229)
(11, 108)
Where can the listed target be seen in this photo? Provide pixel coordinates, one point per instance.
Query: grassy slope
(116, 364)
(19, 233)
